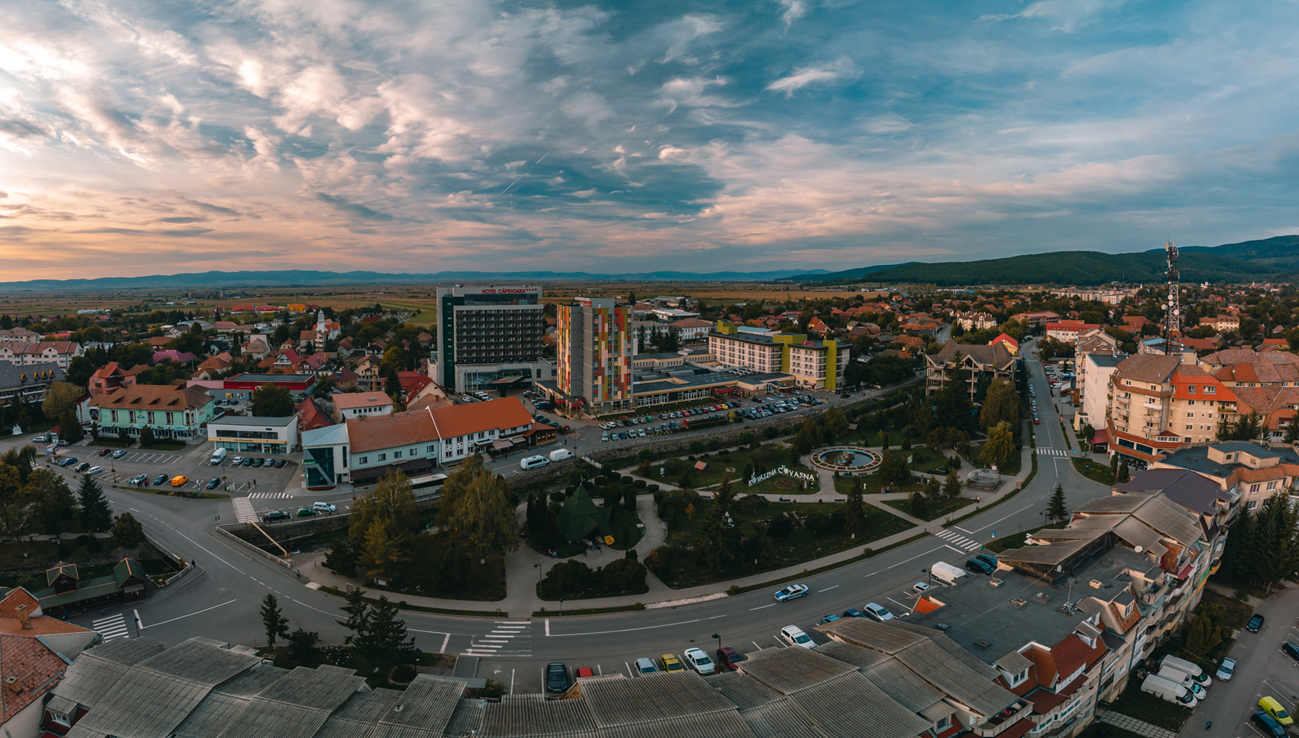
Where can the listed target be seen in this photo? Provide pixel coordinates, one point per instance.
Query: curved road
(222, 600)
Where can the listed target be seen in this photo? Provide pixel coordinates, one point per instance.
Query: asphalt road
(222, 601)
(1261, 671)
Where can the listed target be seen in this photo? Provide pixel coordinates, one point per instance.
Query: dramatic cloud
(155, 136)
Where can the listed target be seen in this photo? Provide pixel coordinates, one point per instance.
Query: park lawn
(1095, 472)
(800, 546)
(872, 484)
(929, 461)
(933, 510)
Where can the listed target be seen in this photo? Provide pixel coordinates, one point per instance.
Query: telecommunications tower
(1173, 318)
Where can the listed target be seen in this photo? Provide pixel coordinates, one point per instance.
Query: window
(363, 460)
(1253, 488)
(1191, 389)
(1210, 389)
(383, 457)
(943, 723)
(1271, 486)
(395, 455)
(428, 449)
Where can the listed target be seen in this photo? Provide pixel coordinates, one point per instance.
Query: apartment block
(976, 365)
(594, 352)
(1159, 404)
(815, 364)
(487, 335)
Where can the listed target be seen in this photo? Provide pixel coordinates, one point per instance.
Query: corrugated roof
(619, 701)
(227, 701)
(852, 706)
(1170, 519)
(523, 715)
(781, 719)
(788, 670)
(1113, 504)
(954, 678)
(465, 722)
(850, 654)
(359, 714)
(903, 685)
(1014, 662)
(1137, 533)
(96, 670)
(745, 691)
(870, 634)
(297, 704)
(424, 709)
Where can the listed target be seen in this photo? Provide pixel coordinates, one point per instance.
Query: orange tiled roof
(34, 669)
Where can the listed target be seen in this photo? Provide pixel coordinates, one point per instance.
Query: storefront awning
(410, 467)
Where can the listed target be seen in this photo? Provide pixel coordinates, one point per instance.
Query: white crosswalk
(508, 638)
(1052, 452)
(958, 540)
(244, 512)
(269, 495)
(112, 627)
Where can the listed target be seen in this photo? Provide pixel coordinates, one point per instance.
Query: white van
(533, 462)
(1181, 678)
(1168, 691)
(1188, 668)
(218, 457)
(560, 454)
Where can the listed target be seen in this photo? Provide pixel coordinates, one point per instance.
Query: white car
(920, 588)
(877, 611)
(92, 471)
(794, 636)
(1226, 670)
(324, 507)
(698, 660)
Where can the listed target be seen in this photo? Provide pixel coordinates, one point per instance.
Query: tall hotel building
(594, 350)
(489, 338)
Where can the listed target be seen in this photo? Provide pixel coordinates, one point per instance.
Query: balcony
(1153, 404)
(999, 722)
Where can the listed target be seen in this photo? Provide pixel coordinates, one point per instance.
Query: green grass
(165, 445)
(933, 510)
(872, 484)
(1135, 703)
(865, 554)
(801, 545)
(1095, 472)
(113, 442)
(544, 613)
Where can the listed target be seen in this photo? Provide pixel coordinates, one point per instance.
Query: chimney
(24, 619)
(13, 685)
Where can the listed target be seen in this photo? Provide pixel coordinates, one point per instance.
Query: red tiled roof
(34, 668)
(15, 597)
(462, 420)
(353, 400)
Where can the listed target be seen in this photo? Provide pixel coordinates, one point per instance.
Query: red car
(585, 671)
(729, 658)
(104, 452)
(1036, 421)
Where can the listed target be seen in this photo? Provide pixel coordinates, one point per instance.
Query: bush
(770, 432)
(696, 446)
(714, 444)
(93, 545)
(640, 483)
(568, 578)
(623, 575)
(83, 540)
(780, 527)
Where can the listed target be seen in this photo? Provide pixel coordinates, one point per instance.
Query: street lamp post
(719, 640)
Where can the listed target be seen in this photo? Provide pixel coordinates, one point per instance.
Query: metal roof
(1170, 519)
(96, 670)
(617, 701)
(297, 704)
(850, 654)
(873, 635)
(224, 703)
(851, 706)
(720, 725)
(781, 719)
(903, 685)
(534, 715)
(202, 661)
(955, 679)
(745, 691)
(788, 670)
(424, 709)
(359, 714)
(465, 722)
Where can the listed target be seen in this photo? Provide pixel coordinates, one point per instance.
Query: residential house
(1009, 343)
(112, 377)
(26, 353)
(1068, 331)
(1038, 319)
(18, 334)
(974, 320)
(27, 384)
(1158, 404)
(312, 416)
(976, 366)
(212, 366)
(171, 412)
(360, 404)
(691, 329)
(368, 376)
(1246, 473)
(35, 652)
(66, 591)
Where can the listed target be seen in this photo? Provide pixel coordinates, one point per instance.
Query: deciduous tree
(952, 485)
(127, 531)
(854, 512)
(382, 525)
(999, 447)
(475, 510)
(272, 401)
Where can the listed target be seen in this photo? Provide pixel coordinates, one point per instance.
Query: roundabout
(847, 459)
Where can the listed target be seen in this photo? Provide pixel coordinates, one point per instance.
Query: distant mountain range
(1272, 259)
(305, 278)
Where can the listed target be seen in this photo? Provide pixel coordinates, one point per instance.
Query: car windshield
(702, 660)
(1281, 714)
(802, 638)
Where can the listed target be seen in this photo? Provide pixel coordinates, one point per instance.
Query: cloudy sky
(163, 136)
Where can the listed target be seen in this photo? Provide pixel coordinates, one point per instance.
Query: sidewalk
(522, 565)
(1133, 725)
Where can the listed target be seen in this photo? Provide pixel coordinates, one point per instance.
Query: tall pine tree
(1056, 509)
(96, 515)
(277, 626)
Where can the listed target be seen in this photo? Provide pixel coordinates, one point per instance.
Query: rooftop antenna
(1173, 318)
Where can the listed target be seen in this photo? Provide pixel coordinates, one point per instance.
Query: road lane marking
(445, 641)
(900, 563)
(899, 604)
(547, 627)
(192, 614)
(954, 548)
(624, 630)
(755, 644)
(998, 520)
(629, 674)
(763, 607)
(827, 589)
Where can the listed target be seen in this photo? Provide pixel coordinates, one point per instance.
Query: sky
(166, 136)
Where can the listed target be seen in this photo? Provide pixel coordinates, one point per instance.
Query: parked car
(214, 482)
(978, 566)
(1269, 726)
(876, 611)
(729, 658)
(794, 636)
(828, 619)
(236, 461)
(92, 471)
(920, 587)
(257, 462)
(791, 592)
(1226, 670)
(557, 677)
(103, 452)
(584, 671)
(1291, 650)
(853, 612)
(68, 461)
(119, 453)
(83, 466)
(275, 516)
(698, 660)
(160, 479)
(1275, 710)
(279, 463)
(1255, 623)
(988, 559)
(140, 480)
(324, 507)
(305, 512)
(645, 666)
(670, 663)
(248, 461)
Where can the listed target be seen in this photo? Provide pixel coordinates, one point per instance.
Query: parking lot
(193, 463)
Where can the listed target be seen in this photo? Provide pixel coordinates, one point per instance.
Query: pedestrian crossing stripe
(1052, 452)
(244, 512)
(269, 495)
(501, 640)
(112, 627)
(956, 539)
